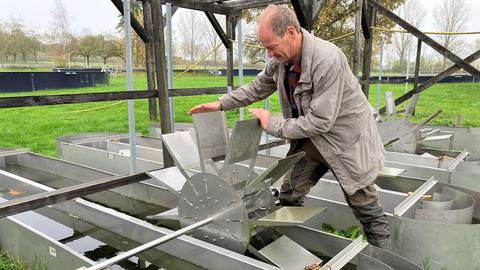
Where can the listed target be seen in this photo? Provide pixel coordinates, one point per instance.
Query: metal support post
(380, 71)
(131, 108)
(168, 15)
(405, 89)
(267, 105)
(240, 61)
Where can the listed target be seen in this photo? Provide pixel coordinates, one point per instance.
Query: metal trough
(122, 232)
(427, 243)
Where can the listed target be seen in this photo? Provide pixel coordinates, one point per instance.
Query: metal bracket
(406, 204)
(342, 258)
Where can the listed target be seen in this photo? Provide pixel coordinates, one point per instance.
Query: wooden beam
(135, 24)
(26, 101)
(218, 29)
(426, 39)
(432, 81)
(357, 49)
(150, 58)
(43, 199)
(367, 53)
(247, 4)
(303, 14)
(307, 12)
(161, 72)
(203, 6)
(230, 25)
(196, 91)
(365, 23)
(30, 101)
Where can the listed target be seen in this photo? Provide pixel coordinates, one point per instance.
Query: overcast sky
(97, 16)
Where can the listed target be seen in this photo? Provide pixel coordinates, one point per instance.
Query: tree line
(194, 37)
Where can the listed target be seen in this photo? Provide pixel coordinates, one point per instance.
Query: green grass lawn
(37, 128)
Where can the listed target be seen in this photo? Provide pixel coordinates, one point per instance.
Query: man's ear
(291, 31)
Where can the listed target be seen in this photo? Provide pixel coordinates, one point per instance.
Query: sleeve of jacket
(260, 88)
(328, 79)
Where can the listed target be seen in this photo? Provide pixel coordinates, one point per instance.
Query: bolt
(208, 198)
(221, 238)
(227, 220)
(216, 201)
(206, 236)
(214, 240)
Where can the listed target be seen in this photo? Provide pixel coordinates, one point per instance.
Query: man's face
(278, 47)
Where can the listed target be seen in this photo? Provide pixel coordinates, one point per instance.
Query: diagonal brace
(135, 24)
(420, 35)
(218, 29)
(431, 81)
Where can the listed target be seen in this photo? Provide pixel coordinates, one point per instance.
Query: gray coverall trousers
(364, 203)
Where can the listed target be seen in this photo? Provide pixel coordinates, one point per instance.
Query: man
(325, 114)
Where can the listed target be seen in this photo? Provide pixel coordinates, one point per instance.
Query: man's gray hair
(281, 18)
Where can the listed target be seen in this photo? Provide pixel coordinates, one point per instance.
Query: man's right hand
(206, 107)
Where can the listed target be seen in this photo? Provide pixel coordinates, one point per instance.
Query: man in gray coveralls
(325, 114)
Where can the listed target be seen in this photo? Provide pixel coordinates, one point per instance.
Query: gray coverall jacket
(334, 112)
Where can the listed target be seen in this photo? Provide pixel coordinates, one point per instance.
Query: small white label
(52, 251)
(110, 156)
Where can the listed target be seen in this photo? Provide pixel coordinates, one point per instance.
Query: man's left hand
(262, 115)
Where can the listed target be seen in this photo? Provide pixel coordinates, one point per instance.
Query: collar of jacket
(307, 55)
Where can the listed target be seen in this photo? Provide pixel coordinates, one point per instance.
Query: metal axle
(151, 244)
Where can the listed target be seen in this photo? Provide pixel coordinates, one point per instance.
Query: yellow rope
(100, 108)
(198, 62)
(117, 103)
(342, 36)
(432, 33)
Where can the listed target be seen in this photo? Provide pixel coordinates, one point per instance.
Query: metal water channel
(124, 231)
(80, 236)
(407, 232)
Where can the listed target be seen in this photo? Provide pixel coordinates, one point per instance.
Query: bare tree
(191, 34)
(107, 47)
(60, 27)
(3, 40)
(450, 16)
(15, 39)
(34, 45)
(413, 12)
(88, 46)
(212, 39)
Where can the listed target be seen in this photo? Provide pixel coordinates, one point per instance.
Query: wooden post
(150, 61)
(230, 24)
(161, 72)
(367, 51)
(458, 122)
(358, 25)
